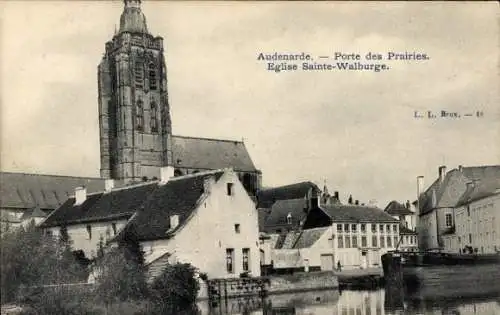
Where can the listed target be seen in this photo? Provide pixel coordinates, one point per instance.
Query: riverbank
(370, 278)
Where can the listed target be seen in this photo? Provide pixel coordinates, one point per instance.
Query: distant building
(284, 208)
(438, 204)
(407, 218)
(359, 234)
(24, 196)
(477, 220)
(206, 219)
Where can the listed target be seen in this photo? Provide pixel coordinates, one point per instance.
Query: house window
(374, 241)
(229, 189)
(354, 228)
(230, 260)
(48, 233)
(374, 228)
(154, 115)
(113, 226)
(152, 76)
(363, 228)
(389, 241)
(346, 227)
(470, 238)
(381, 228)
(237, 228)
(354, 241)
(89, 231)
(387, 228)
(382, 241)
(246, 258)
(395, 228)
(468, 210)
(340, 242)
(139, 115)
(448, 220)
(347, 242)
(363, 241)
(138, 74)
(339, 228)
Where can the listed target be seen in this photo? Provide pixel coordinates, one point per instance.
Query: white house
(206, 219)
(477, 220)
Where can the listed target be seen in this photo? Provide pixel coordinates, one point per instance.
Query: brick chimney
(109, 184)
(166, 172)
(80, 195)
(442, 173)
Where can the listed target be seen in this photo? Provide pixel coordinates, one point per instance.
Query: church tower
(134, 114)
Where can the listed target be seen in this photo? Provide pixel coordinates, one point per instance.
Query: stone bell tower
(134, 114)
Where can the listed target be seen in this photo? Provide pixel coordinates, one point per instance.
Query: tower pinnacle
(132, 19)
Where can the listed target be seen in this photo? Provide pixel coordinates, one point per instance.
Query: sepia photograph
(249, 157)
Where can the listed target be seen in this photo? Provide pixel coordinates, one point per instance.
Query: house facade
(408, 240)
(440, 203)
(353, 236)
(206, 219)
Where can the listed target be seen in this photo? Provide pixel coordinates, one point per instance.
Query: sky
(353, 130)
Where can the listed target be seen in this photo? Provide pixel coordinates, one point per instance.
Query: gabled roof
(396, 208)
(355, 213)
(309, 237)
(22, 190)
(266, 197)
(278, 213)
(210, 154)
(120, 203)
(179, 196)
(447, 193)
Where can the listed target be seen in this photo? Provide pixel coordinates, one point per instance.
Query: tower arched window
(154, 115)
(138, 74)
(139, 115)
(153, 84)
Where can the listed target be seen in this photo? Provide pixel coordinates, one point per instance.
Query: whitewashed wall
(80, 237)
(211, 230)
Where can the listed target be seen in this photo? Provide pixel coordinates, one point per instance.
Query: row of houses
(460, 211)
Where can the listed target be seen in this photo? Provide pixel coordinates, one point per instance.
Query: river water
(351, 303)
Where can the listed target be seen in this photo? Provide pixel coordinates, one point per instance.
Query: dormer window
(289, 218)
(230, 189)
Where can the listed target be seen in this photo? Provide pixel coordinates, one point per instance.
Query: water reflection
(350, 303)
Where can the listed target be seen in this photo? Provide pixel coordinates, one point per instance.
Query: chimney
(407, 204)
(174, 221)
(109, 184)
(336, 194)
(442, 173)
(166, 172)
(420, 185)
(207, 183)
(356, 202)
(80, 195)
(460, 168)
(349, 201)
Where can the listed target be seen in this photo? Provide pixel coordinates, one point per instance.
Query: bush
(31, 258)
(176, 288)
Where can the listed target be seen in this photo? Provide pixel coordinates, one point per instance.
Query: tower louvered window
(154, 115)
(138, 74)
(139, 115)
(153, 84)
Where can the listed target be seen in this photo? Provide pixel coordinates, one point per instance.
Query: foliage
(31, 258)
(121, 272)
(176, 287)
